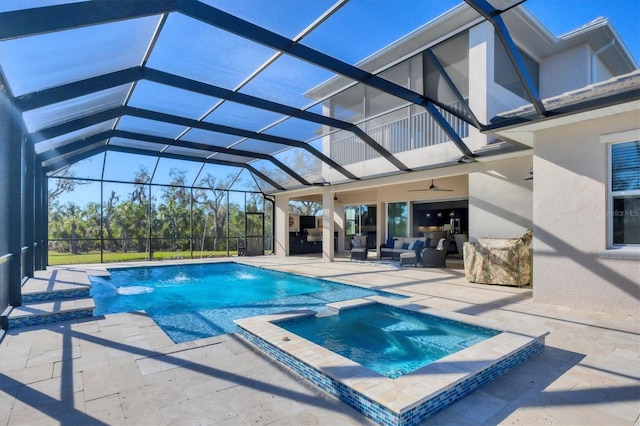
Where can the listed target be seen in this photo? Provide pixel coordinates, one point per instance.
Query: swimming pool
(388, 340)
(201, 300)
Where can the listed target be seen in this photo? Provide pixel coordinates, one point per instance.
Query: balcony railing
(417, 131)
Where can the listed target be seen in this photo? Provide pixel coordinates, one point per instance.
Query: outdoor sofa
(397, 245)
(393, 247)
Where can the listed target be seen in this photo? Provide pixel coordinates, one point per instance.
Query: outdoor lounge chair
(359, 250)
(435, 257)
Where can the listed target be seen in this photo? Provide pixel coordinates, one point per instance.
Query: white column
(281, 225)
(381, 227)
(338, 221)
(327, 225)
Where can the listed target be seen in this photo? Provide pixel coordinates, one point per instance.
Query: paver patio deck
(122, 369)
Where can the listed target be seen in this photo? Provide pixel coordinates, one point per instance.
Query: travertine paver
(122, 369)
(57, 279)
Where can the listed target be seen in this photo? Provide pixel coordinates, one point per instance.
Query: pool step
(47, 296)
(53, 295)
(49, 312)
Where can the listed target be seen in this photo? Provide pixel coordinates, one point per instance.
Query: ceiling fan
(432, 187)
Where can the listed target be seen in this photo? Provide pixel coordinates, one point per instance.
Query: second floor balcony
(418, 130)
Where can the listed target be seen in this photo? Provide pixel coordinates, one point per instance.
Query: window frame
(388, 229)
(613, 250)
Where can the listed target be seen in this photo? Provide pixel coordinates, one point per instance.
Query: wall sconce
(529, 176)
(428, 215)
(452, 214)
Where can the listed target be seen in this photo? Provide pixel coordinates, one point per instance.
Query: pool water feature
(388, 340)
(409, 399)
(201, 300)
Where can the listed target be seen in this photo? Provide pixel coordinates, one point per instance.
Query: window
(350, 216)
(624, 194)
(397, 219)
(360, 220)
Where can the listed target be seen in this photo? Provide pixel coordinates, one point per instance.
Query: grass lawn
(56, 258)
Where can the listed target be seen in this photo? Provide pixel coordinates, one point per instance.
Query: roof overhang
(617, 95)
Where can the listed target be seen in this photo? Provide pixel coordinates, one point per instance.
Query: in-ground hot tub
(413, 395)
(389, 340)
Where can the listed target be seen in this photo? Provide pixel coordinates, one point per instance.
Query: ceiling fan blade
(432, 187)
(435, 188)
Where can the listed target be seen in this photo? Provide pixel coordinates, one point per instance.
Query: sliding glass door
(361, 220)
(397, 219)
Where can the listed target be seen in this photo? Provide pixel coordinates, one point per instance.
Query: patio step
(53, 295)
(49, 312)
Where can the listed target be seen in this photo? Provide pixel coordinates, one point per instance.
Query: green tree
(141, 186)
(302, 162)
(305, 208)
(93, 225)
(141, 207)
(305, 165)
(56, 226)
(236, 221)
(64, 181)
(131, 218)
(213, 202)
(72, 225)
(175, 210)
(109, 215)
(59, 223)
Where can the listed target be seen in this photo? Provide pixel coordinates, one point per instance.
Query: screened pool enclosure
(168, 210)
(141, 130)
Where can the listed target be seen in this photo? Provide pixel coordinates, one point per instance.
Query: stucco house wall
(600, 72)
(500, 200)
(569, 211)
(565, 71)
(571, 69)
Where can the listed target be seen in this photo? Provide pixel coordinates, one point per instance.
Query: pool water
(195, 301)
(388, 340)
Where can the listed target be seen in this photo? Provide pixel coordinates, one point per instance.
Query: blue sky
(360, 38)
(562, 16)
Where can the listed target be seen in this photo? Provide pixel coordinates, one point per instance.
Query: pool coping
(413, 397)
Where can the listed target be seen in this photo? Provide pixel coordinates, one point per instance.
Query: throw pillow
(405, 246)
(397, 244)
(418, 245)
(390, 242)
(355, 243)
(440, 244)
